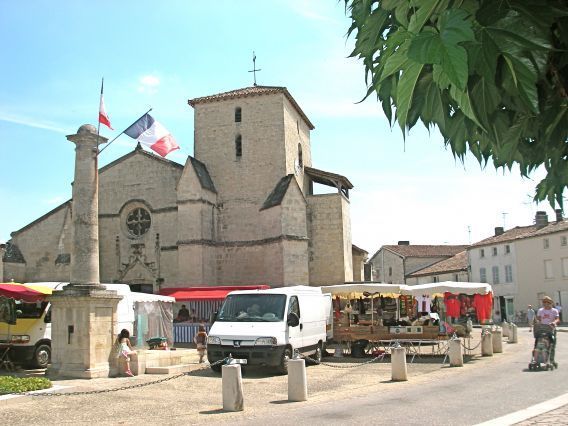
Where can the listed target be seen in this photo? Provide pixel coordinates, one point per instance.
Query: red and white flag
(152, 134)
(103, 116)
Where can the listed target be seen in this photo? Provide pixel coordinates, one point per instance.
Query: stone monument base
(82, 331)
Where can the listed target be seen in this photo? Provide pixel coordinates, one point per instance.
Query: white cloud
(32, 122)
(148, 84)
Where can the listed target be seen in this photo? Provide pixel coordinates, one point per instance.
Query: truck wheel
(286, 356)
(42, 356)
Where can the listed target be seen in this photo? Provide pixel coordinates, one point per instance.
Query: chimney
(541, 219)
(499, 231)
(404, 243)
(559, 217)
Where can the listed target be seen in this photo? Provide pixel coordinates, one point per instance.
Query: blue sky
(160, 54)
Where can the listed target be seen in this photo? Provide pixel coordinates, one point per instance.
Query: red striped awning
(186, 294)
(21, 292)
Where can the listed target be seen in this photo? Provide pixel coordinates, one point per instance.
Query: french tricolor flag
(152, 134)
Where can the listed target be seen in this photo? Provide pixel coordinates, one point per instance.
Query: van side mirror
(212, 317)
(293, 320)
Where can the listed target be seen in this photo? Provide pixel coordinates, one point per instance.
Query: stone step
(169, 369)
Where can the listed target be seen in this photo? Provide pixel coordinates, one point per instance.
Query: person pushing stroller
(549, 317)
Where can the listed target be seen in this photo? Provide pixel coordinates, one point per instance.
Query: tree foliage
(492, 75)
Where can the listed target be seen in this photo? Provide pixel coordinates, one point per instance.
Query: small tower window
(238, 114)
(239, 146)
(300, 158)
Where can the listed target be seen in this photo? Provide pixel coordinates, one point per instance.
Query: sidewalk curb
(527, 413)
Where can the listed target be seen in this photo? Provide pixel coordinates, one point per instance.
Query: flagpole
(123, 131)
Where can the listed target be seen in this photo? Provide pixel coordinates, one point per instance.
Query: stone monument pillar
(84, 312)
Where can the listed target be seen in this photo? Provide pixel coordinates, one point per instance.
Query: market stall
(200, 303)
(418, 315)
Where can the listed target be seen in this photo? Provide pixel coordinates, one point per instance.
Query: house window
(494, 251)
(482, 253)
(495, 271)
(563, 241)
(239, 146)
(390, 271)
(508, 274)
(548, 271)
(507, 249)
(456, 277)
(238, 114)
(435, 279)
(546, 243)
(565, 267)
(482, 275)
(300, 157)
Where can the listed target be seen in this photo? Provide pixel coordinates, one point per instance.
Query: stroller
(543, 352)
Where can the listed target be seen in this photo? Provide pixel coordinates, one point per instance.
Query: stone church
(241, 211)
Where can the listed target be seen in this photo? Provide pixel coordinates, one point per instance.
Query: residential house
(523, 264)
(394, 263)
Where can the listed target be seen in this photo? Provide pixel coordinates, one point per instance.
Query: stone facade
(241, 211)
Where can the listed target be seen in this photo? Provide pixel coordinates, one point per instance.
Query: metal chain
(327, 364)
(471, 349)
(137, 385)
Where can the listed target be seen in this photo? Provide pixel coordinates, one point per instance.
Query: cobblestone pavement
(554, 417)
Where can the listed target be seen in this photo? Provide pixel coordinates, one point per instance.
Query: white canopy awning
(358, 289)
(446, 286)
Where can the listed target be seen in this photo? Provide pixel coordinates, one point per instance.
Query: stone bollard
(505, 328)
(455, 352)
(486, 343)
(297, 381)
(497, 340)
(513, 334)
(398, 364)
(232, 388)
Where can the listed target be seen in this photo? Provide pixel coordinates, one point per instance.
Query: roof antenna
(254, 70)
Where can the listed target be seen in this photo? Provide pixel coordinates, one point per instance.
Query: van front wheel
(42, 356)
(286, 356)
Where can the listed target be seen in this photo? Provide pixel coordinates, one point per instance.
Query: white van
(266, 326)
(30, 337)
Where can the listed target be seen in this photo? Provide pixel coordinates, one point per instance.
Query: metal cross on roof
(254, 70)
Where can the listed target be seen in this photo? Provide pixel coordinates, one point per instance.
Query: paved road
(484, 389)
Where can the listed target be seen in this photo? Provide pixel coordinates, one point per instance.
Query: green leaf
(426, 47)
(405, 92)
(463, 100)
(422, 15)
(484, 99)
(443, 47)
(524, 77)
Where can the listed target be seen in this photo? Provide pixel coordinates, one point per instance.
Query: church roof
(252, 91)
(140, 150)
(203, 175)
(277, 194)
(328, 178)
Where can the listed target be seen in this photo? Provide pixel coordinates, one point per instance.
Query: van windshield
(253, 307)
(30, 310)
